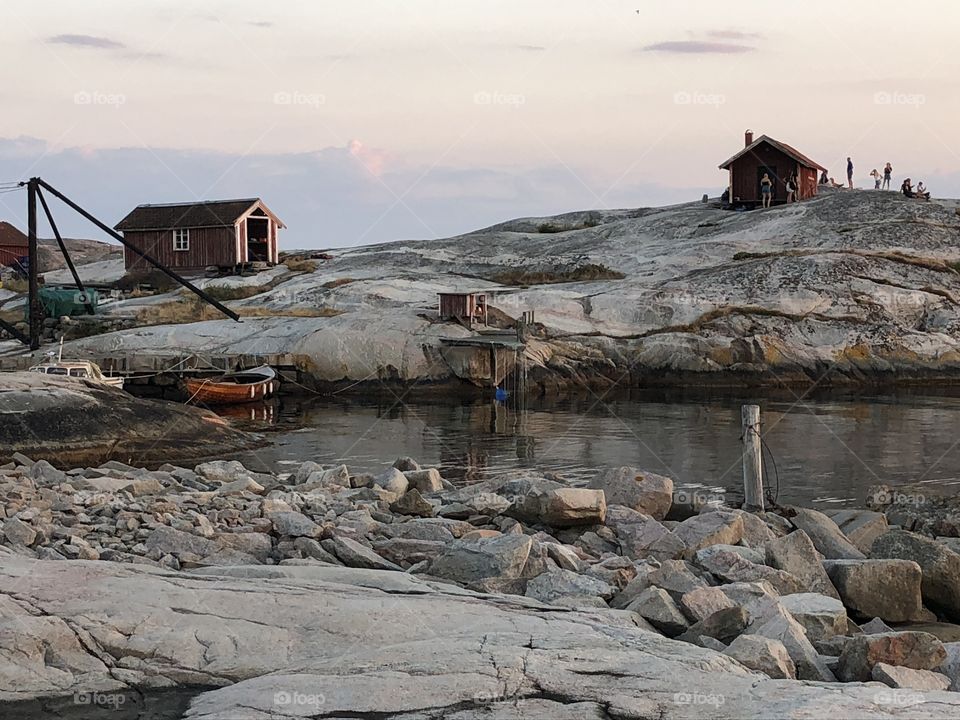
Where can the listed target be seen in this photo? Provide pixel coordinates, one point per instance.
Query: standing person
(791, 189)
(887, 172)
(766, 190)
(824, 180)
(876, 179)
(850, 173)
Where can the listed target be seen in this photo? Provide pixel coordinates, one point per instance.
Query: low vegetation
(301, 264)
(193, 309)
(338, 282)
(580, 273)
(550, 227)
(15, 284)
(152, 279)
(239, 292)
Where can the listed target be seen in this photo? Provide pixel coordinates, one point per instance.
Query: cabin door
(258, 239)
(770, 170)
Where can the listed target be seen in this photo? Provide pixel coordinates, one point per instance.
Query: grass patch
(549, 227)
(581, 273)
(338, 282)
(17, 285)
(193, 309)
(301, 264)
(241, 292)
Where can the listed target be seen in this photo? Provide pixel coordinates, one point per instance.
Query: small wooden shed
(13, 245)
(467, 308)
(193, 236)
(776, 159)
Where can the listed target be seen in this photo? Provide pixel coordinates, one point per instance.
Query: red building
(13, 244)
(776, 159)
(193, 236)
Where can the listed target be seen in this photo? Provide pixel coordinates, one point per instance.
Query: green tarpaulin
(59, 301)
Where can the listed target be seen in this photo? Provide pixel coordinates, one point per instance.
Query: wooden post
(752, 459)
(34, 310)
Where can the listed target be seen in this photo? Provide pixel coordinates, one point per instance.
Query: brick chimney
(747, 138)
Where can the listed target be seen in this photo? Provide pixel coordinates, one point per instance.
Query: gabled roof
(9, 235)
(781, 146)
(213, 213)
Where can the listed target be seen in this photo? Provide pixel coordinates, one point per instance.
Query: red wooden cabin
(13, 244)
(779, 161)
(193, 236)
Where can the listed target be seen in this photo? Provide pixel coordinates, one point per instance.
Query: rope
(770, 495)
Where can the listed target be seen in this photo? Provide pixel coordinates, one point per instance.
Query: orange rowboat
(242, 386)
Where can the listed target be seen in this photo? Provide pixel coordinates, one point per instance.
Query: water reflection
(826, 450)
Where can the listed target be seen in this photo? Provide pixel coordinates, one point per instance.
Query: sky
(362, 121)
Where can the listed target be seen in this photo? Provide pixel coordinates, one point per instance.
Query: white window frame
(181, 240)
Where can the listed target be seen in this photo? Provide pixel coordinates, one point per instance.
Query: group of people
(767, 188)
(881, 181)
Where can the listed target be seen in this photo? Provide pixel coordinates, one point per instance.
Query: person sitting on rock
(907, 188)
(824, 180)
(835, 184)
(921, 191)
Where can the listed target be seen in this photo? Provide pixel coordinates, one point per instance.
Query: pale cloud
(86, 41)
(698, 47)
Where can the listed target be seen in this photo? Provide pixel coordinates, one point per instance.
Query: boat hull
(234, 388)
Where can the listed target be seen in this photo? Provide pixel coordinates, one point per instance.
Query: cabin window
(181, 240)
(78, 372)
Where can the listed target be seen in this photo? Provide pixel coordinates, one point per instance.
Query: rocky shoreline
(399, 595)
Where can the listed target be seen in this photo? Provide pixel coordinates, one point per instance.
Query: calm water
(827, 451)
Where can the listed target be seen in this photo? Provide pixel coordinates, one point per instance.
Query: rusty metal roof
(781, 146)
(212, 213)
(11, 236)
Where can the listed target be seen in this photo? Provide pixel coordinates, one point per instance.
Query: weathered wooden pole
(752, 459)
(34, 309)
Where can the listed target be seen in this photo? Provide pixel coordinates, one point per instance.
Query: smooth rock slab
(282, 632)
(553, 585)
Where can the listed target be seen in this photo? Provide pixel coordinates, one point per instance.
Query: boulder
(796, 554)
(951, 666)
(556, 585)
(413, 503)
(168, 541)
(781, 626)
(861, 527)
(645, 537)
(675, 577)
(393, 481)
(408, 552)
(908, 678)
(220, 472)
(888, 589)
(764, 655)
(657, 607)
(875, 626)
(18, 532)
(354, 554)
(291, 523)
(940, 567)
(701, 602)
(238, 487)
(732, 567)
(310, 548)
(560, 506)
(820, 615)
(711, 528)
(826, 536)
(638, 490)
(744, 593)
(723, 625)
(487, 564)
(756, 532)
(253, 543)
(426, 481)
(917, 650)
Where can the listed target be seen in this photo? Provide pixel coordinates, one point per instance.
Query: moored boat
(233, 388)
(78, 369)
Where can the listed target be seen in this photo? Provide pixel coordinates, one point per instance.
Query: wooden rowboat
(242, 386)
